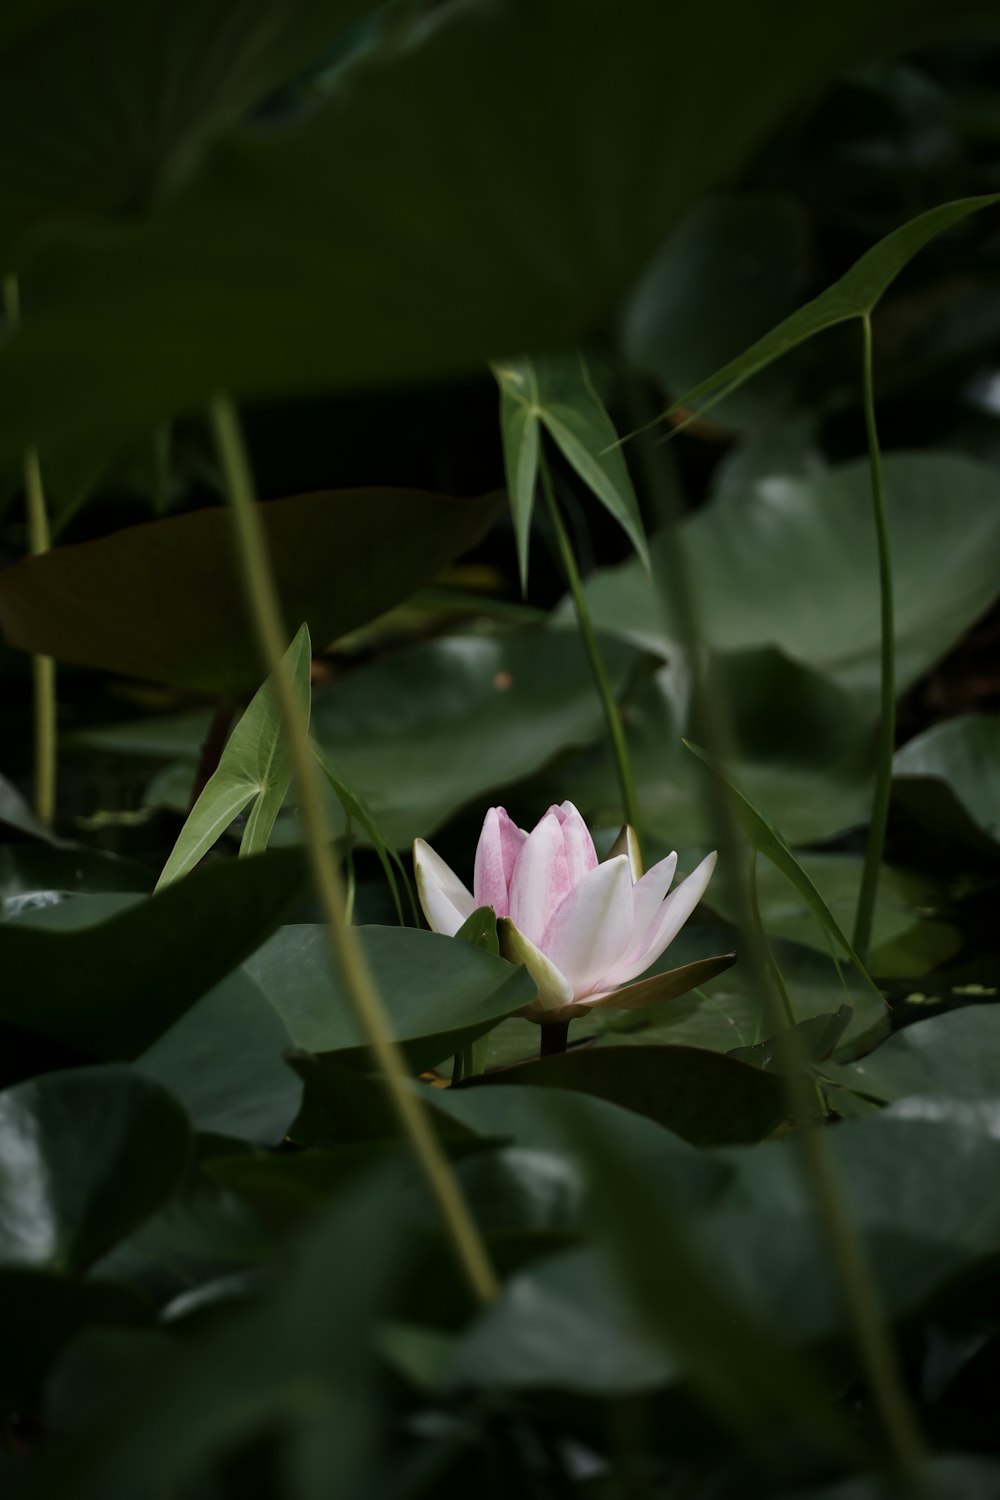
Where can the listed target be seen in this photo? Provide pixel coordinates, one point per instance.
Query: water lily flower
(582, 928)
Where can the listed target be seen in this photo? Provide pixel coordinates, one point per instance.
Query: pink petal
(581, 856)
(554, 989)
(444, 898)
(540, 879)
(648, 893)
(592, 927)
(667, 923)
(496, 855)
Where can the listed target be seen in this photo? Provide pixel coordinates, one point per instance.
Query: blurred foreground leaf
(165, 600)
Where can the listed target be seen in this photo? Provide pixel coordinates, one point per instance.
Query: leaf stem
(347, 954)
(554, 1038)
(872, 1336)
(43, 668)
(612, 715)
(887, 724)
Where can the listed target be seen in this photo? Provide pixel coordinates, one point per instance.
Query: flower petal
(627, 842)
(499, 845)
(554, 989)
(541, 877)
(581, 856)
(648, 893)
(444, 898)
(592, 927)
(667, 923)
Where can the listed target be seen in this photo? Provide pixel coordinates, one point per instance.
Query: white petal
(444, 898)
(667, 923)
(540, 879)
(648, 894)
(554, 989)
(593, 927)
(627, 842)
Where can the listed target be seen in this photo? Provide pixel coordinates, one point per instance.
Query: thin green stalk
(872, 1336)
(616, 729)
(347, 954)
(43, 668)
(776, 974)
(887, 726)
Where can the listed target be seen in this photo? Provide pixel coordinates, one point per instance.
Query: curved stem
(616, 729)
(43, 668)
(887, 725)
(470, 1252)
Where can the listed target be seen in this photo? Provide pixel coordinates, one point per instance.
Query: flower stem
(555, 1036)
(612, 715)
(43, 668)
(470, 1252)
(887, 724)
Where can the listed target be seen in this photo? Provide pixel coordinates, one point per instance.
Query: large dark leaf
(165, 600)
(109, 138)
(706, 1097)
(541, 217)
(107, 975)
(948, 780)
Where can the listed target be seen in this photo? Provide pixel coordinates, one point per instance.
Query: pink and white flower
(581, 928)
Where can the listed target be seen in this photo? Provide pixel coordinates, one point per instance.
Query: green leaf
(254, 768)
(705, 1097)
(85, 1156)
(947, 780)
(766, 839)
(480, 929)
(73, 163)
(910, 935)
(557, 392)
(42, 1313)
(777, 565)
(955, 1054)
(699, 304)
(855, 295)
(519, 428)
(426, 730)
(801, 745)
(440, 995)
(16, 814)
(550, 1120)
(225, 1060)
(166, 601)
(107, 975)
(297, 1361)
(30, 870)
(586, 196)
(356, 809)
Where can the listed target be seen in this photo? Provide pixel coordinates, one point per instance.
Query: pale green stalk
(872, 1336)
(616, 729)
(887, 724)
(347, 954)
(43, 668)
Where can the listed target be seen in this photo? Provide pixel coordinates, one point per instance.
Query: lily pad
(947, 781)
(780, 565)
(108, 974)
(439, 994)
(85, 1156)
(957, 1053)
(225, 1060)
(704, 1097)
